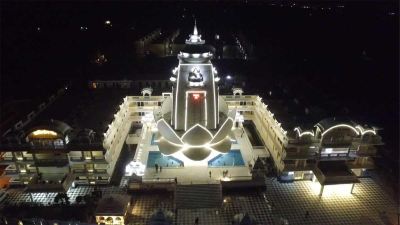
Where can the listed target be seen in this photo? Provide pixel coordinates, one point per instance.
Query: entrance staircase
(195, 196)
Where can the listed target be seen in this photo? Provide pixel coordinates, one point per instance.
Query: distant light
(173, 79)
(107, 22)
(217, 36)
(38, 28)
(217, 79)
(228, 77)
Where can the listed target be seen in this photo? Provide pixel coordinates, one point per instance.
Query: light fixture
(44, 132)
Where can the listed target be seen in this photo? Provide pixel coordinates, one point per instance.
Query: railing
(146, 98)
(194, 182)
(335, 144)
(302, 141)
(87, 172)
(69, 147)
(159, 180)
(302, 154)
(236, 178)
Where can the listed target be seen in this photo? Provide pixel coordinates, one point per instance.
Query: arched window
(109, 220)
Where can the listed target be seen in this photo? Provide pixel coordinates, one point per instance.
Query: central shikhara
(194, 120)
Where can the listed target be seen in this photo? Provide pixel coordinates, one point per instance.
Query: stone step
(198, 196)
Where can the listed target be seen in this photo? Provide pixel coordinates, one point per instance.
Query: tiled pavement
(368, 205)
(233, 204)
(365, 206)
(144, 205)
(17, 196)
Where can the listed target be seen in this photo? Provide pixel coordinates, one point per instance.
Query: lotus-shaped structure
(197, 142)
(194, 120)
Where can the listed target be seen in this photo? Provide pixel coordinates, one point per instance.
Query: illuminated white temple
(194, 121)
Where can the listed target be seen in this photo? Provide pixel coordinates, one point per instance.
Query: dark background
(343, 59)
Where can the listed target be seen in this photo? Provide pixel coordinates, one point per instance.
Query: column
(352, 188)
(321, 191)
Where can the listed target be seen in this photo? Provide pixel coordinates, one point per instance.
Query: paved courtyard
(281, 201)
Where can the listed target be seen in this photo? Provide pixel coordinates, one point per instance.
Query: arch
(237, 91)
(147, 91)
(109, 220)
(366, 130)
(302, 133)
(339, 126)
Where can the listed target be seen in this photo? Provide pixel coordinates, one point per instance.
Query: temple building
(191, 132)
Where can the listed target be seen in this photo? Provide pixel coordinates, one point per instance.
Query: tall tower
(189, 126)
(195, 94)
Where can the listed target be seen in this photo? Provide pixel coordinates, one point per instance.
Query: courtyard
(281, 202)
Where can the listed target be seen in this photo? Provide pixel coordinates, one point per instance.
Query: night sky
(327, 54)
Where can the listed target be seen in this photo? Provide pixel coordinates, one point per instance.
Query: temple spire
(195, 29)
(194, 38)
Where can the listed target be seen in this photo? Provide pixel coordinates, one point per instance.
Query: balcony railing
(87, 172)
(302, 154)
(87, 159)
(33, 148)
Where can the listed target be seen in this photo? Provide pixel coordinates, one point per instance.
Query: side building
(62, 144)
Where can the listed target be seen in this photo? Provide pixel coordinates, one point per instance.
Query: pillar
(35, 161)
(352, 188)
(30, 195)
(321, 191)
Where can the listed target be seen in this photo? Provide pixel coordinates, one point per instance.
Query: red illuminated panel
(196, 96)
